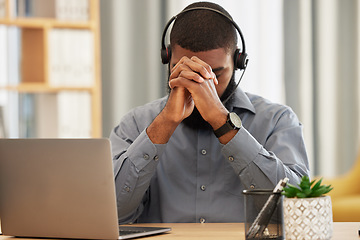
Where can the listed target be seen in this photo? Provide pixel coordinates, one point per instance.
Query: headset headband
(238, 57)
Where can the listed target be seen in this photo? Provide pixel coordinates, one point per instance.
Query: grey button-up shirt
(195, 178)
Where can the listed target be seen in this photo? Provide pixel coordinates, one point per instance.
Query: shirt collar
(242, 101)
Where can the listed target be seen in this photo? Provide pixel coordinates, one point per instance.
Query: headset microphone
(234, 90)
(240, 58)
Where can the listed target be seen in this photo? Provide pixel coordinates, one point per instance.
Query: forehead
(215, 57)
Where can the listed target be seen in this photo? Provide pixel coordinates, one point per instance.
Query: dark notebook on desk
(60, 188)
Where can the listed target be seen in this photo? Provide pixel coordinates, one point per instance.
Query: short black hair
(203, 30)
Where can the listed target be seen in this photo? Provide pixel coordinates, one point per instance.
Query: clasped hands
(193, 83)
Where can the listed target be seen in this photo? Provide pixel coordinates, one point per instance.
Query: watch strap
(233, 122)
(223, 129)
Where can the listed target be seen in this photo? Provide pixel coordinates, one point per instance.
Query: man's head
(203, 30)
(209, 35)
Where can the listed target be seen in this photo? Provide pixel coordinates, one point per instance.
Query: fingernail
(216, 81)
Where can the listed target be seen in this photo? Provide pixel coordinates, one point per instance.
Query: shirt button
(252, 186)
(231, 158)
(203, 152)
(202, 220)
(203, 187)
(146, 156)
(156, 158)
(127, 188)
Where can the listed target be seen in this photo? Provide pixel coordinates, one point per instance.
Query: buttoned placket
(203, 175)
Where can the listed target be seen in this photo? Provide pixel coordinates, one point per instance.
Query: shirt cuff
(143, 153)
(241, 150)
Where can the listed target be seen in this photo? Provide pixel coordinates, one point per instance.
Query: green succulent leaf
(305, 183)
(301, 195)
(292, 191)
(306, 189)
(317, 185)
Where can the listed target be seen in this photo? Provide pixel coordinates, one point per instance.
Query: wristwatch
(233, 122)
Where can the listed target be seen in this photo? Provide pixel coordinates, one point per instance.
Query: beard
(196, 121)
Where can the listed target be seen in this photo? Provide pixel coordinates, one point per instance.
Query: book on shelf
(2, 123)
(35, 8)
(64, 115)
(63, 10)
(3, 103)
(71, 58)
(48, 115)
(2, 8)
(10, 49)
(9, 102)
(10, 57)
(13, 55)
(74, 114)
(67, 10)
(3, 56)
(27, 118)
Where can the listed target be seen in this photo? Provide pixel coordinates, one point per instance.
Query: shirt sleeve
(135, 159)
(264, 161)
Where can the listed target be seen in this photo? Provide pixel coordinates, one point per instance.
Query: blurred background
(303, 53)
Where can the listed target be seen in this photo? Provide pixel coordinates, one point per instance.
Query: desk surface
(229, 231)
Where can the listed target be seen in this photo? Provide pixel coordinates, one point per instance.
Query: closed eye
(218, 71)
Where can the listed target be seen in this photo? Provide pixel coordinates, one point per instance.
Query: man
(173, 159)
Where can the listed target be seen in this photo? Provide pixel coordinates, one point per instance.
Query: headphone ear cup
(240, 60)
(166, 55)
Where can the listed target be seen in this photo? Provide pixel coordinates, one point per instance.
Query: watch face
(235, 120)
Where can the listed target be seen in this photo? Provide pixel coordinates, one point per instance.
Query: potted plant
(307, 212)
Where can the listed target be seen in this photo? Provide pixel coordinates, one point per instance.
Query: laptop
(60, 188)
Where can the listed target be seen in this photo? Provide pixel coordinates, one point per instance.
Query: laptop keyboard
(131, 230)
(127, 232)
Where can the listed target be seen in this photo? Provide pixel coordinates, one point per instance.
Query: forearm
(261, 168)
(134, 166)
(161, 129)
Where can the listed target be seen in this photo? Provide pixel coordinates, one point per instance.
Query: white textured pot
(308, 218)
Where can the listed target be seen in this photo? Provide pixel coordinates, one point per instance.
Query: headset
(240, 58)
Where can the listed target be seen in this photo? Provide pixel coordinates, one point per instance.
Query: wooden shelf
(46, 23)
(35, 63)
(42, 88)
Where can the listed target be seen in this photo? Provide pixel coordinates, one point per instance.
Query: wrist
(169, 117)
(219, 119)
(233, 122)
